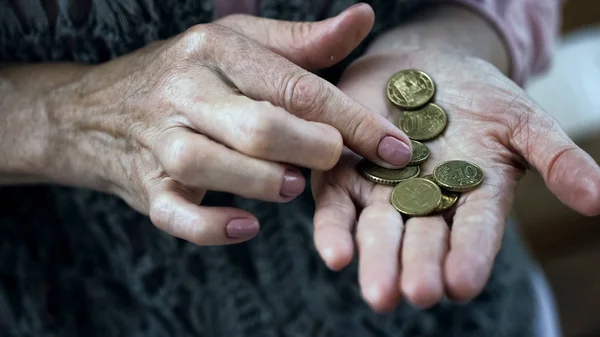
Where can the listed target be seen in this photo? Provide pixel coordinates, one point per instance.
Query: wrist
(24, 130)
(81, 134)
(40, 114)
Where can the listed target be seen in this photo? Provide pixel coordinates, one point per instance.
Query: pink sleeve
(529, 29)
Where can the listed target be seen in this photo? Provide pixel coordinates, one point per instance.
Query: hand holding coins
(412, 91)
(489, 119)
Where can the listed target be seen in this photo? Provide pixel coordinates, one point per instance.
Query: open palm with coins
(492, 125)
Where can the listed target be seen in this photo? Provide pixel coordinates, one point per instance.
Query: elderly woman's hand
(221, 107)
(493, 123)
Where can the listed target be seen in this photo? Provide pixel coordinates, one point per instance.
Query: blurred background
(567, 245)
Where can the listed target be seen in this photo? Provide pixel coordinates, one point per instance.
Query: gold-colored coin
(420, 153)
(458, 176)
(410, 89)
(428, 177)
(424, 124)
(448, 200)
(386, 176)
(416, 197)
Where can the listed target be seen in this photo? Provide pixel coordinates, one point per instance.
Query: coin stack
(412, 91)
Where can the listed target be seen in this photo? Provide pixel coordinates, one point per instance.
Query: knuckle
(198, 230)
(162, 213)
(260, 132)
(303, 93)
(197, 42)
(259, 143)
(387, 220)
(300, 33)
(165, 215)
(335, 151)
(361, 126)
(180, 161)
(331, 150)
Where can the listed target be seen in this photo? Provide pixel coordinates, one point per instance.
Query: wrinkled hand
(493, 123)
(164, 124)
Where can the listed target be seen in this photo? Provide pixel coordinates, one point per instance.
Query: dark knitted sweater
(80, 263)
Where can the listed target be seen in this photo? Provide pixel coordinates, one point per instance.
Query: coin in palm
(458, 175)
(386, 176)
(420, 153)
(416, 197)
(448, 200)
(410, 89)
(424, 124)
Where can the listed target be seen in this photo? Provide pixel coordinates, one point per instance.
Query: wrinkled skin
(226, 106)
(493, 123)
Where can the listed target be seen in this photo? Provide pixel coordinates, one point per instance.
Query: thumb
(568, 171)
(311, 45)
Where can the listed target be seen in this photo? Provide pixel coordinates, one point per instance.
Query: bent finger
(171, 212)
(263, 75)
(197, 161)
(265, 131)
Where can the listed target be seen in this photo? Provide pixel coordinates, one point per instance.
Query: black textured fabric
(80, 263)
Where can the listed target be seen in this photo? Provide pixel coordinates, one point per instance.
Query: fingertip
(293, 183)
(337, 258)
(590, 205)
(340, 35)
(573, 176)
(422, 288)
(394, 151)
(394, 147)
(336, 249)
(360, 12)
(586, 194)
(362, 6)
(242, 228)
(465, 277)
(379, 298)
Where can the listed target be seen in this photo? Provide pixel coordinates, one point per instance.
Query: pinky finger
(172, 212)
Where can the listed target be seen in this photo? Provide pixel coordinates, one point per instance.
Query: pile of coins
(412, 91)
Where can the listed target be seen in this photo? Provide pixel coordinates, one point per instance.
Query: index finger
(263, 75)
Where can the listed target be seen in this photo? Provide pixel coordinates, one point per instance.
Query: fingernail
(394, 151)
(293, 184)
(242, 228)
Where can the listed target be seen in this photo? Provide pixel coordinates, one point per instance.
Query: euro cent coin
(449, 199)
(410, 89)
(386, 176)
(458, 175)
(420, 153)
(424, 124)
(416, 197)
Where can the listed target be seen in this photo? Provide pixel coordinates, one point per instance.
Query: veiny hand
(223, 107)
(493, 123)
